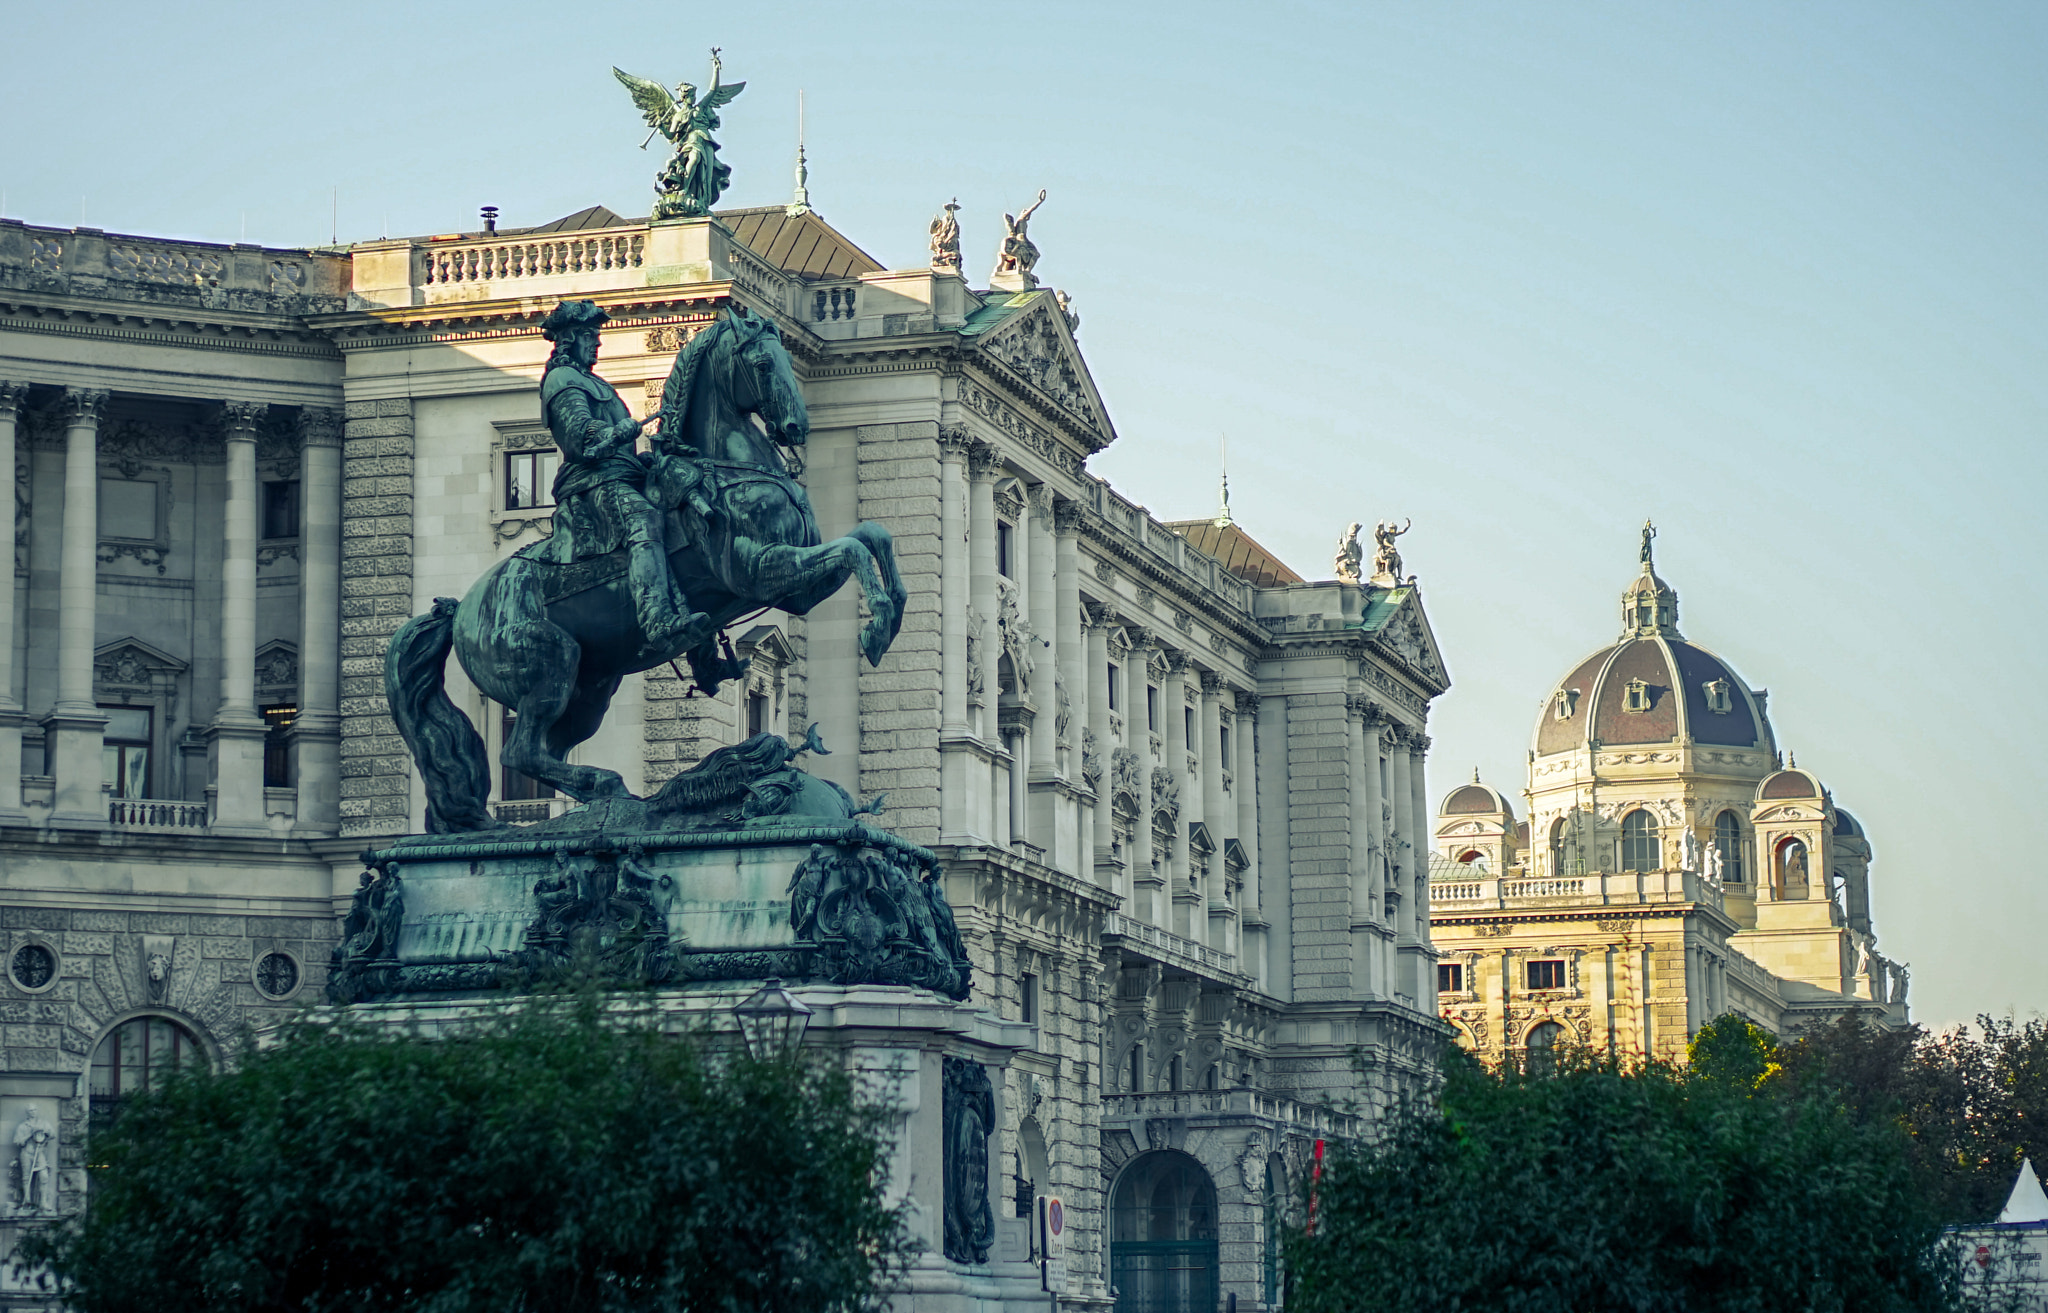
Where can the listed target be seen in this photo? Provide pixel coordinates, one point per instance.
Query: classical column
(1362, 788)
(1372, 722)
(1098, 620)
(1148, 877)
(984, 462)
(75, 730)
(1404, 848)
(12, 395)
(1173, 706)
(1422, 982)
(1245, 791)
(235, 739)
(316, 737)
(1075, 661)
(1042, 603)
(953, 580)
(1222, 823)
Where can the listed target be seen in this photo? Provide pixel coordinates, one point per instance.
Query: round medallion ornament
(33, 966)
(277, 975)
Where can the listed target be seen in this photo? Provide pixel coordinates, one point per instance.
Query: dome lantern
(1649, 606)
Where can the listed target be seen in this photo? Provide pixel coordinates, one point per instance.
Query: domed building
(1673, 865)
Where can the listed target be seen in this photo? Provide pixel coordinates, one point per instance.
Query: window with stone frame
(1720, 696)
(1152, 708)
(1639, 843)
(281, 508)
(278, 719)
(1005, 537)
(138, 1055)
(1541, 1043)
(1027, 998)
(1636, 696)
(125, 750)
(1109, 685)
(1450, 977)
(1546, 973)
(1728, 842)
(530, 478)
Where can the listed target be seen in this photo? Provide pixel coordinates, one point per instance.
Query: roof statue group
(1386, 558)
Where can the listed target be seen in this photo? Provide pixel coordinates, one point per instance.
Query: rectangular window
(1546, 973)
(517, 786)
(1027, 998)
(530, 479)
(757, 714)
(1003, 549)
(1112, 685)
(1450, 978)
(1223, 744)
(1151, 708)
(1187, 727)
(277, 750)
(281, 508)
(124, 758)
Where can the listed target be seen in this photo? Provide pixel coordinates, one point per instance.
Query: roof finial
(801, 203)
(1475, 775)
(1649, 532)
(1222, 520)
(1791, 759)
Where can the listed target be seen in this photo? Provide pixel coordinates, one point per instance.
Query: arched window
(1564, 848)
(1541, 1043)
(137, 1055)
(1639, 842)
(1162, 1252)
(1728, 842)
(1790, 877)
(1475, 859)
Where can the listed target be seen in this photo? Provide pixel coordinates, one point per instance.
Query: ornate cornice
(168, 327)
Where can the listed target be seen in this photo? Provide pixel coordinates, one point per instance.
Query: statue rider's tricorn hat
(571, 317)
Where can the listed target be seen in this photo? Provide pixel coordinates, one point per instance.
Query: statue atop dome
(1649, 532)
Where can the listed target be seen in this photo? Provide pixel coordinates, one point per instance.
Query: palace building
(1667, 865)
(1177, 790)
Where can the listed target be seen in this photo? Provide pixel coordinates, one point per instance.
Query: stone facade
(1675, 867)
(1177, 790)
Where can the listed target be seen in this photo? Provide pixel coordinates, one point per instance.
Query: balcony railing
(1241, 1102)
(1605, 887)
(156, 814)
(1183, 952)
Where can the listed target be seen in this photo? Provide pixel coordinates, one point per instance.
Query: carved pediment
(1787, 814)
(130, 663)
(1036, 346)
(277, 670)
(1406, 637)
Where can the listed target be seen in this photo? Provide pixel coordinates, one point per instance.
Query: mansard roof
(800, 244)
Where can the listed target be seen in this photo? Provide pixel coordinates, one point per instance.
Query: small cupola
(1649, 606)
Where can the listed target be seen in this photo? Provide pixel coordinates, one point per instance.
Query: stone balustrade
(503, 260)
(1605, 887)
(157, 814)
(1134, 523)
(1153, 941)
(1235, 1102)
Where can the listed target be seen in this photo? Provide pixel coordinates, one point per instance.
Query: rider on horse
(602, 487)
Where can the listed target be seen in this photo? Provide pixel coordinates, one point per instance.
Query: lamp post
(772, 1020)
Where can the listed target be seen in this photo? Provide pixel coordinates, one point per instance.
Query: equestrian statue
(651, 556)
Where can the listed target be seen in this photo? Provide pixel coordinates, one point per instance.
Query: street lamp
(772, 1021)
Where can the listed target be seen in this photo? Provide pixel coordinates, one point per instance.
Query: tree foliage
(1603, 1185)
(553, 1158)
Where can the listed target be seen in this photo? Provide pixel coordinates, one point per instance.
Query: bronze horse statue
(551, 636)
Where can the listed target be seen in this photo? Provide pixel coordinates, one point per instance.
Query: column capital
(12, 395)
(1040, 499)
(1247, 703)
(1140, 637)
(1067, 515)
(1364, 708)
(83, 405)
(954, 442)
(1176, 660)
(984, 460)
(320, 426)
(1212, 683)
(240, 418)
(1097, 615)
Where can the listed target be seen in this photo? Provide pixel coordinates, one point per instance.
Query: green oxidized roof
(999, 308)
(1382, 608)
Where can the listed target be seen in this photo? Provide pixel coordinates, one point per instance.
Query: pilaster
(12, 397)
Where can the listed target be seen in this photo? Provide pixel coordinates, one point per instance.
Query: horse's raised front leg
(799, 578)
(883, 548)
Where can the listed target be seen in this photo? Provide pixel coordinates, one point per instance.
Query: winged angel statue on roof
(691, 182)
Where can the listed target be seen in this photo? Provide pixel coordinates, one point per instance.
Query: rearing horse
(551, 637)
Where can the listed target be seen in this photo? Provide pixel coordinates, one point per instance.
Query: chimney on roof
(490, 213)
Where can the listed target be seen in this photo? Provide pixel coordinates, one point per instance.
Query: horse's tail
(446, 747)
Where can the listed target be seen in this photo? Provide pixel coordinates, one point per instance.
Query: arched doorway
(1162, 1247)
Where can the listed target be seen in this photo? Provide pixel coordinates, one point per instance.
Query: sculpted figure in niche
(1251, 1164)
(1792, 882)
(35, 1153)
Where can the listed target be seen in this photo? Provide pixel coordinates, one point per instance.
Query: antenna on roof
(1223, 520)
(801, 202)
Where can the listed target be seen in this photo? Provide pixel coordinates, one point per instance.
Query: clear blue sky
(1771, 274)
